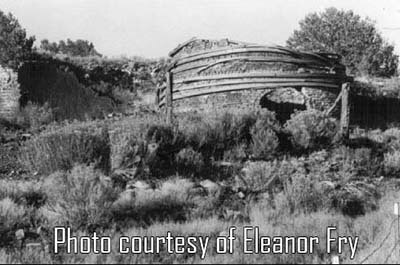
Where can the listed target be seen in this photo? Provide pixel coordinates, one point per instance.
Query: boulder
(211, 187)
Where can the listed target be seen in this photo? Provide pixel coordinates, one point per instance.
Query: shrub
(211, 136)
(391, 138)
(214, 136)
(302, 194)
(169, 142)
(264, 139)
(265, 142)
(124, 96)
(12, 218)
(311, 129)
(133, 152)
(151, 207)
(128, 132)
(368, 162)
(61, 148)
(34, 116)
(262, 176)
(236, 153)
(242, 125)
(148, 206)
(11, 213)
(355, 198)
(258, 175)
(189, 162)
(267, 119)
(80, 198)
(392, 163)
(28, 193)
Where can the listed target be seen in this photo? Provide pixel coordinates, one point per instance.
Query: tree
(15, 46)
(72, 48)
(357, 40)
(48, 46)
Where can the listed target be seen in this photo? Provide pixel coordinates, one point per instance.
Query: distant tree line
(16, 46)
(362, 47)
(72, 48)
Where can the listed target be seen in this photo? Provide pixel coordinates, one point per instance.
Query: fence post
(396, 212)
(345, 111)
(168, 98)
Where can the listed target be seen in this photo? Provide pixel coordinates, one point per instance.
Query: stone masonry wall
(237, 101)
(9, 93)
(245, 100)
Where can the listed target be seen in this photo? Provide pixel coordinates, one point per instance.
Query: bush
(264, 139)
(263, 175)
(392, 163)
(259, 175)
(150, 207)
(34, 116)
(267, 119)
(355, 198)
(237, 153)
(302, 194)
(133, 155)
(391, 137)
(189, 162)
(125, 99)
(61, 148)
(242, 125)
(265, 142)
(168, 142)
(80, 198)
(212, 136)
(27, 193)
(11, 213)
(146, 206)
(311, 129)
(129, 131)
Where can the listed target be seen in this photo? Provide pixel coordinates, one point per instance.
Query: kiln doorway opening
(283, 110)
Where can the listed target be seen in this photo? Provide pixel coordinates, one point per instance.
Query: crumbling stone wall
(320, 99)
(9, 93)
(59, 86)
(230, 101)
(247, 100)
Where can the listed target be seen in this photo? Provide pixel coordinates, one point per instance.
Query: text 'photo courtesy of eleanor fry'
(199, 131)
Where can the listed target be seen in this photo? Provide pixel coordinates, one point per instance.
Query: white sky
(152, 28)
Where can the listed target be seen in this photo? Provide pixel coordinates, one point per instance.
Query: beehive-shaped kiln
(210, 75)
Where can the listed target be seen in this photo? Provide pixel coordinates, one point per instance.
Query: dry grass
(60, 148)
(80, 198)
(299, 204)
(370, 229)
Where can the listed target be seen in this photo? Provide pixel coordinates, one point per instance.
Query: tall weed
(61, 148)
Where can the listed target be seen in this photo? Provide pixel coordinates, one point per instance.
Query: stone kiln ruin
(213, 76)
(9, 93)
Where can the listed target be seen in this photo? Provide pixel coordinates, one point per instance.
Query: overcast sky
(152, 28)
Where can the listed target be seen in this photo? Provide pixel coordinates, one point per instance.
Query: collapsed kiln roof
(195, 45)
